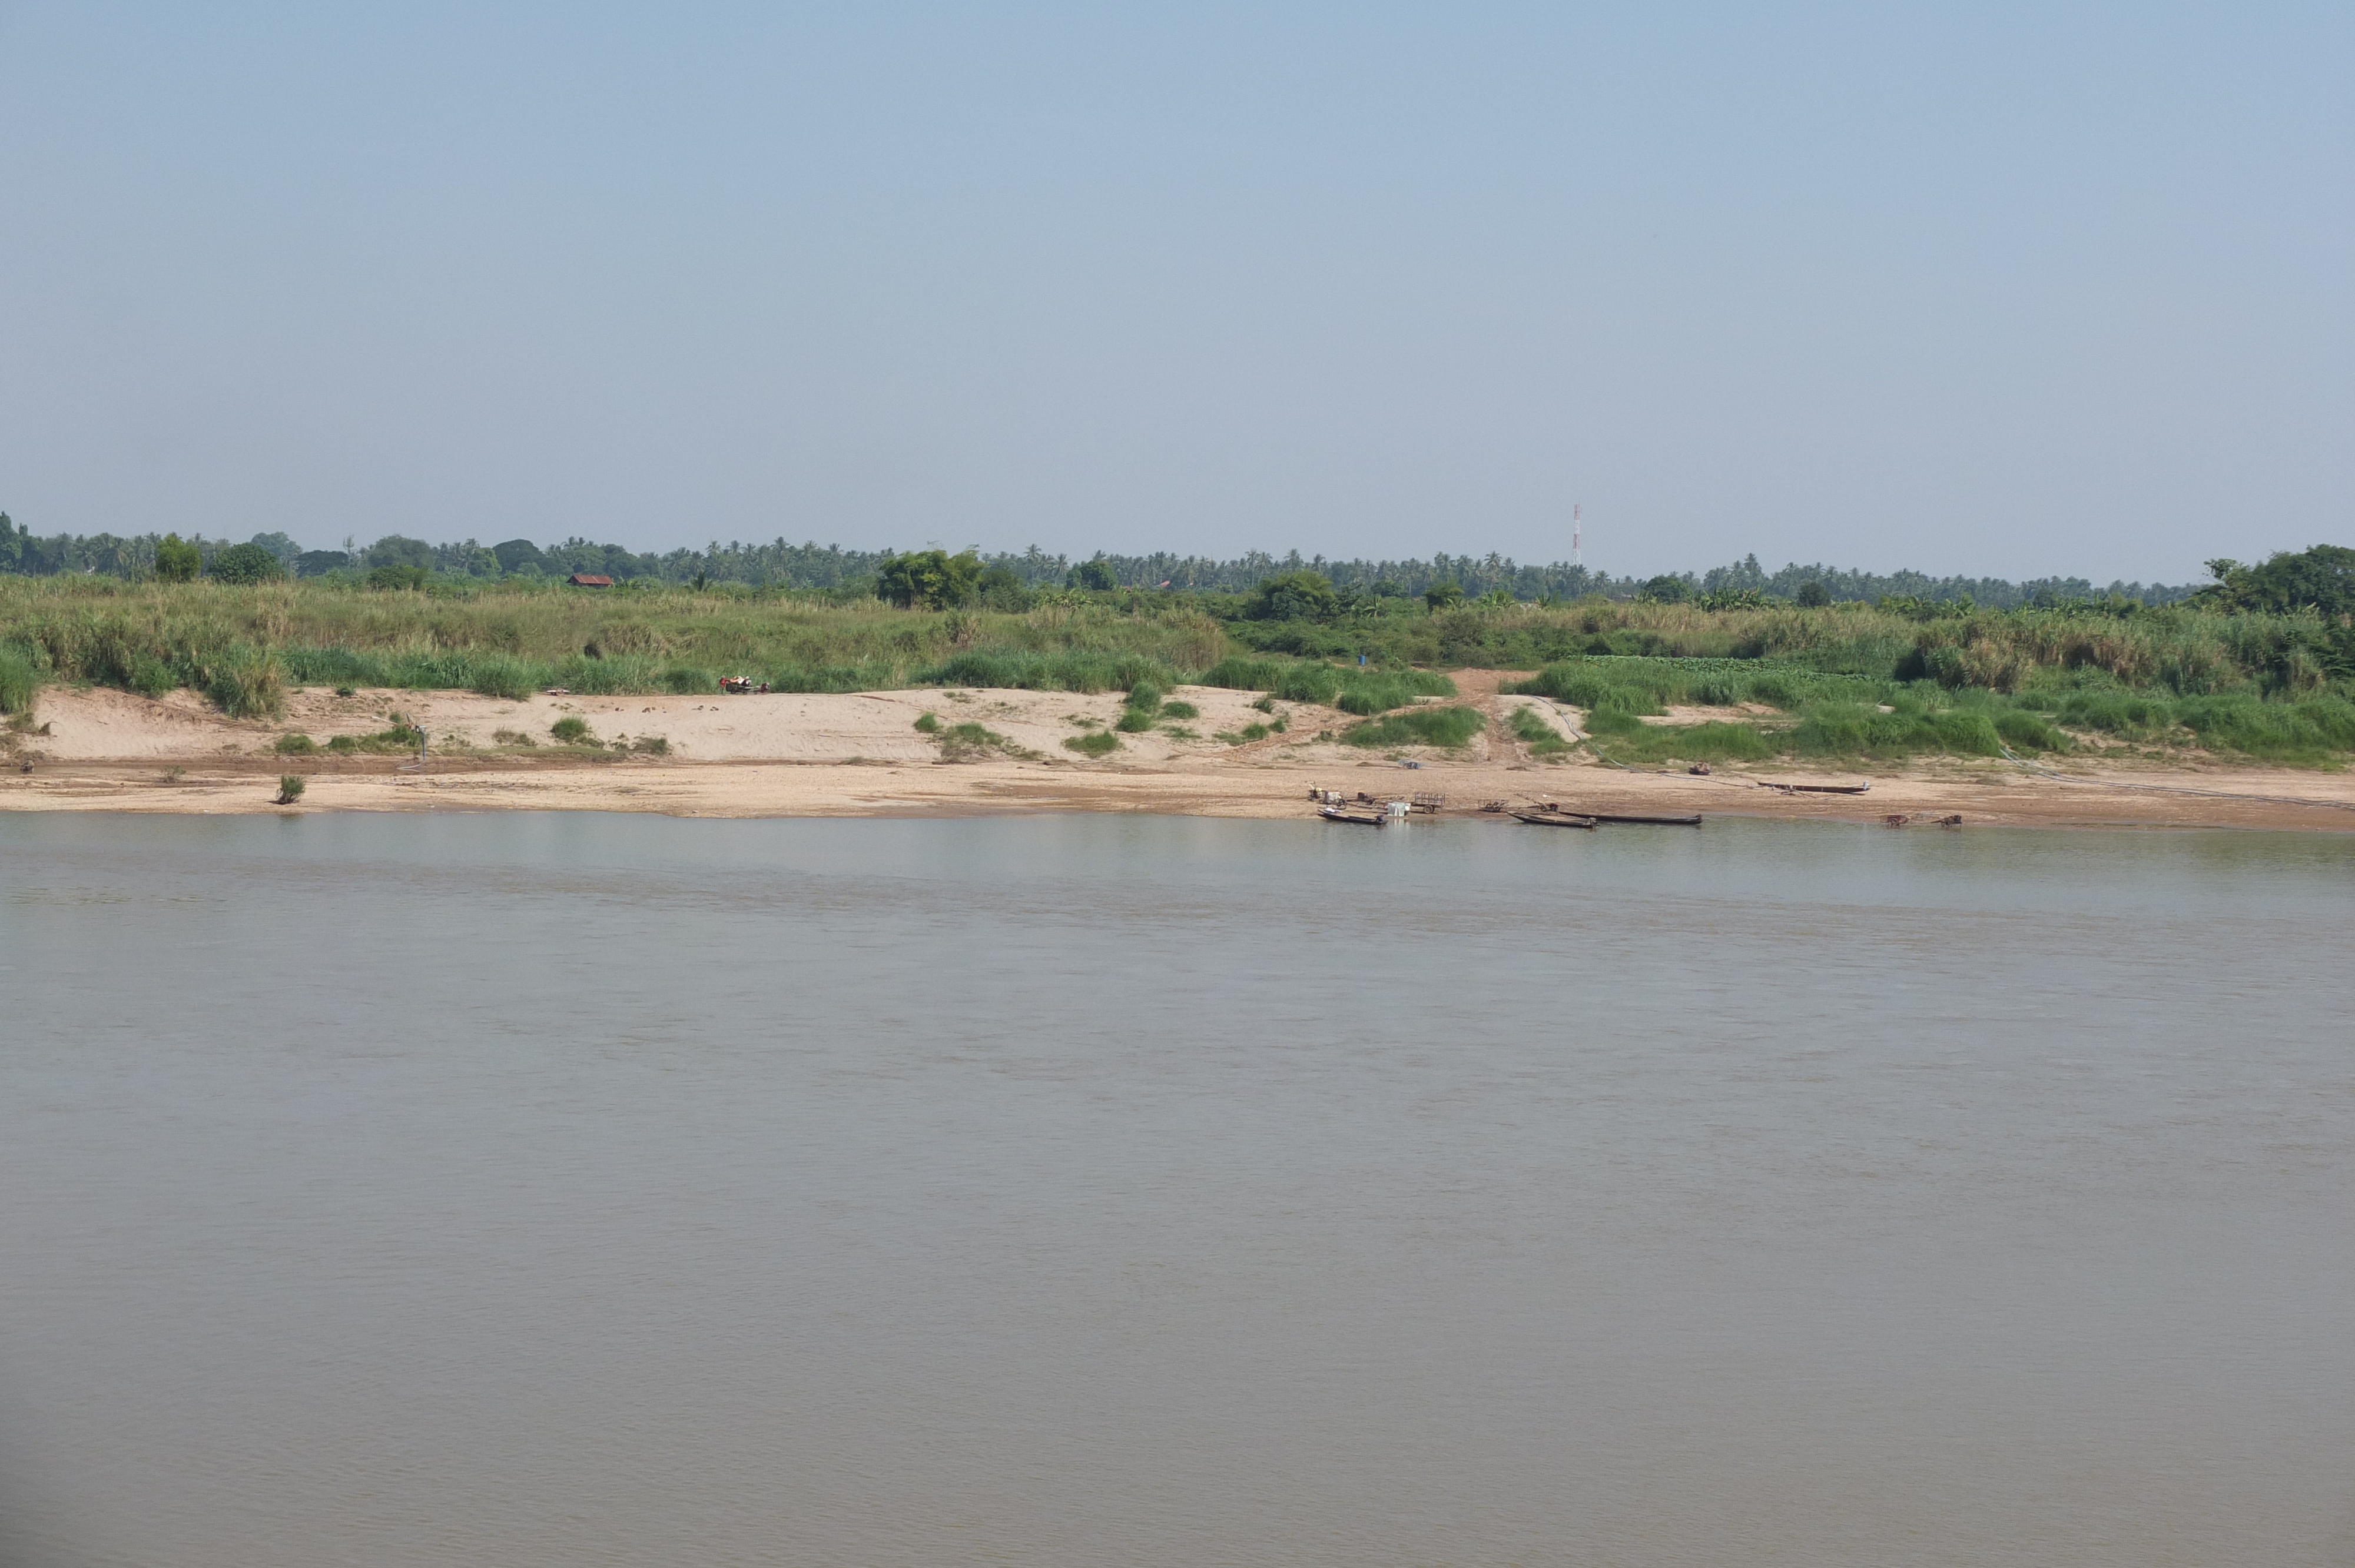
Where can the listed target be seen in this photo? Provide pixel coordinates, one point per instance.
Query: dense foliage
(999, 579)
(2261, 662)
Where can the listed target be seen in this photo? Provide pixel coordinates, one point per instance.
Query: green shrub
(928, 723)
(248, 684)
(1180, 711)
(243, 564)
(152, 677)
(1530, 729)
(1070, 670)
(498, 676)
(1351, 690)
(1095, 743)
(290, 789)
(343, 743)
(1442, 726)
(862, 677)
(176, 560)
(2026, 730)
(295, 745)
(17, 681)
(1378, 691)
(970, 742)
(345, 692)
(1133, 721)
(393, 577)
(686, 681)
(572, 730)
(1145, 697)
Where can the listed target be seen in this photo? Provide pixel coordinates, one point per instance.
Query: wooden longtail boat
(1554, 819)
(1817, 788)
(1344, 815)
(1648, 818)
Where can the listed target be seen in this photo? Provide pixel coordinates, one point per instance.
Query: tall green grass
(508, 641)
(1067, 670)
(1648, 685)
(1443, 726)
(1353, 691)
(17, 681)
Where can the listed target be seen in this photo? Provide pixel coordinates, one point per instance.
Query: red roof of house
(588, 579)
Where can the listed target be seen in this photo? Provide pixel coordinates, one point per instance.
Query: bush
(1713, 742)
(295, 745)
(1180, 711)
(930, 580)
(290, 789)
(1377, 691)
(1530, 729)
(928, 724)
(1070, 670)
(395, 578)
(686, 681)
(2025, 729)
(1353, 691)
(572, 730)
(17, 680)
(1443, 726)
(151, 677)
(176, 560)
(970, 742)
(1095, 743)
(248, 684)
(247, 564)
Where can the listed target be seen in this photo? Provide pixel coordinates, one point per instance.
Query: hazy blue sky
(2005, 289)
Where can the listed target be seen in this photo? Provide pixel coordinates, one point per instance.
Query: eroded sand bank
(861, 755)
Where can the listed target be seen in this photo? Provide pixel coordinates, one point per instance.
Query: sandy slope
(861, 755)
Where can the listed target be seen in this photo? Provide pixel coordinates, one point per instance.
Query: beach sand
(860, 755)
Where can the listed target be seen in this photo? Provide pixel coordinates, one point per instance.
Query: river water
(587, 1190)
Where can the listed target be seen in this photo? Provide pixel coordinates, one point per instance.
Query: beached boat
(1817, 788)
(1554, 819)
(1646, 819)
(1362, 818)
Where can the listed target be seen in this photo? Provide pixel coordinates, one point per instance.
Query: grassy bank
(1851, 681)
(1830, 715)
(243, 646)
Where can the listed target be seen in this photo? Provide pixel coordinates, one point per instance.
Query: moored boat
(1554, 819)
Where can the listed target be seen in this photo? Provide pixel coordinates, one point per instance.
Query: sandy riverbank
(860, 755)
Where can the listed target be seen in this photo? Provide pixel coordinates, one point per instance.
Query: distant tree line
(936, 576)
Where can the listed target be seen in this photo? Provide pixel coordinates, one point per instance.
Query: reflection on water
(576, 1190)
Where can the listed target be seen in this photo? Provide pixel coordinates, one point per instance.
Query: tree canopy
(253, 563)
(176, 561)
(930, 580)
(2321, 578)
